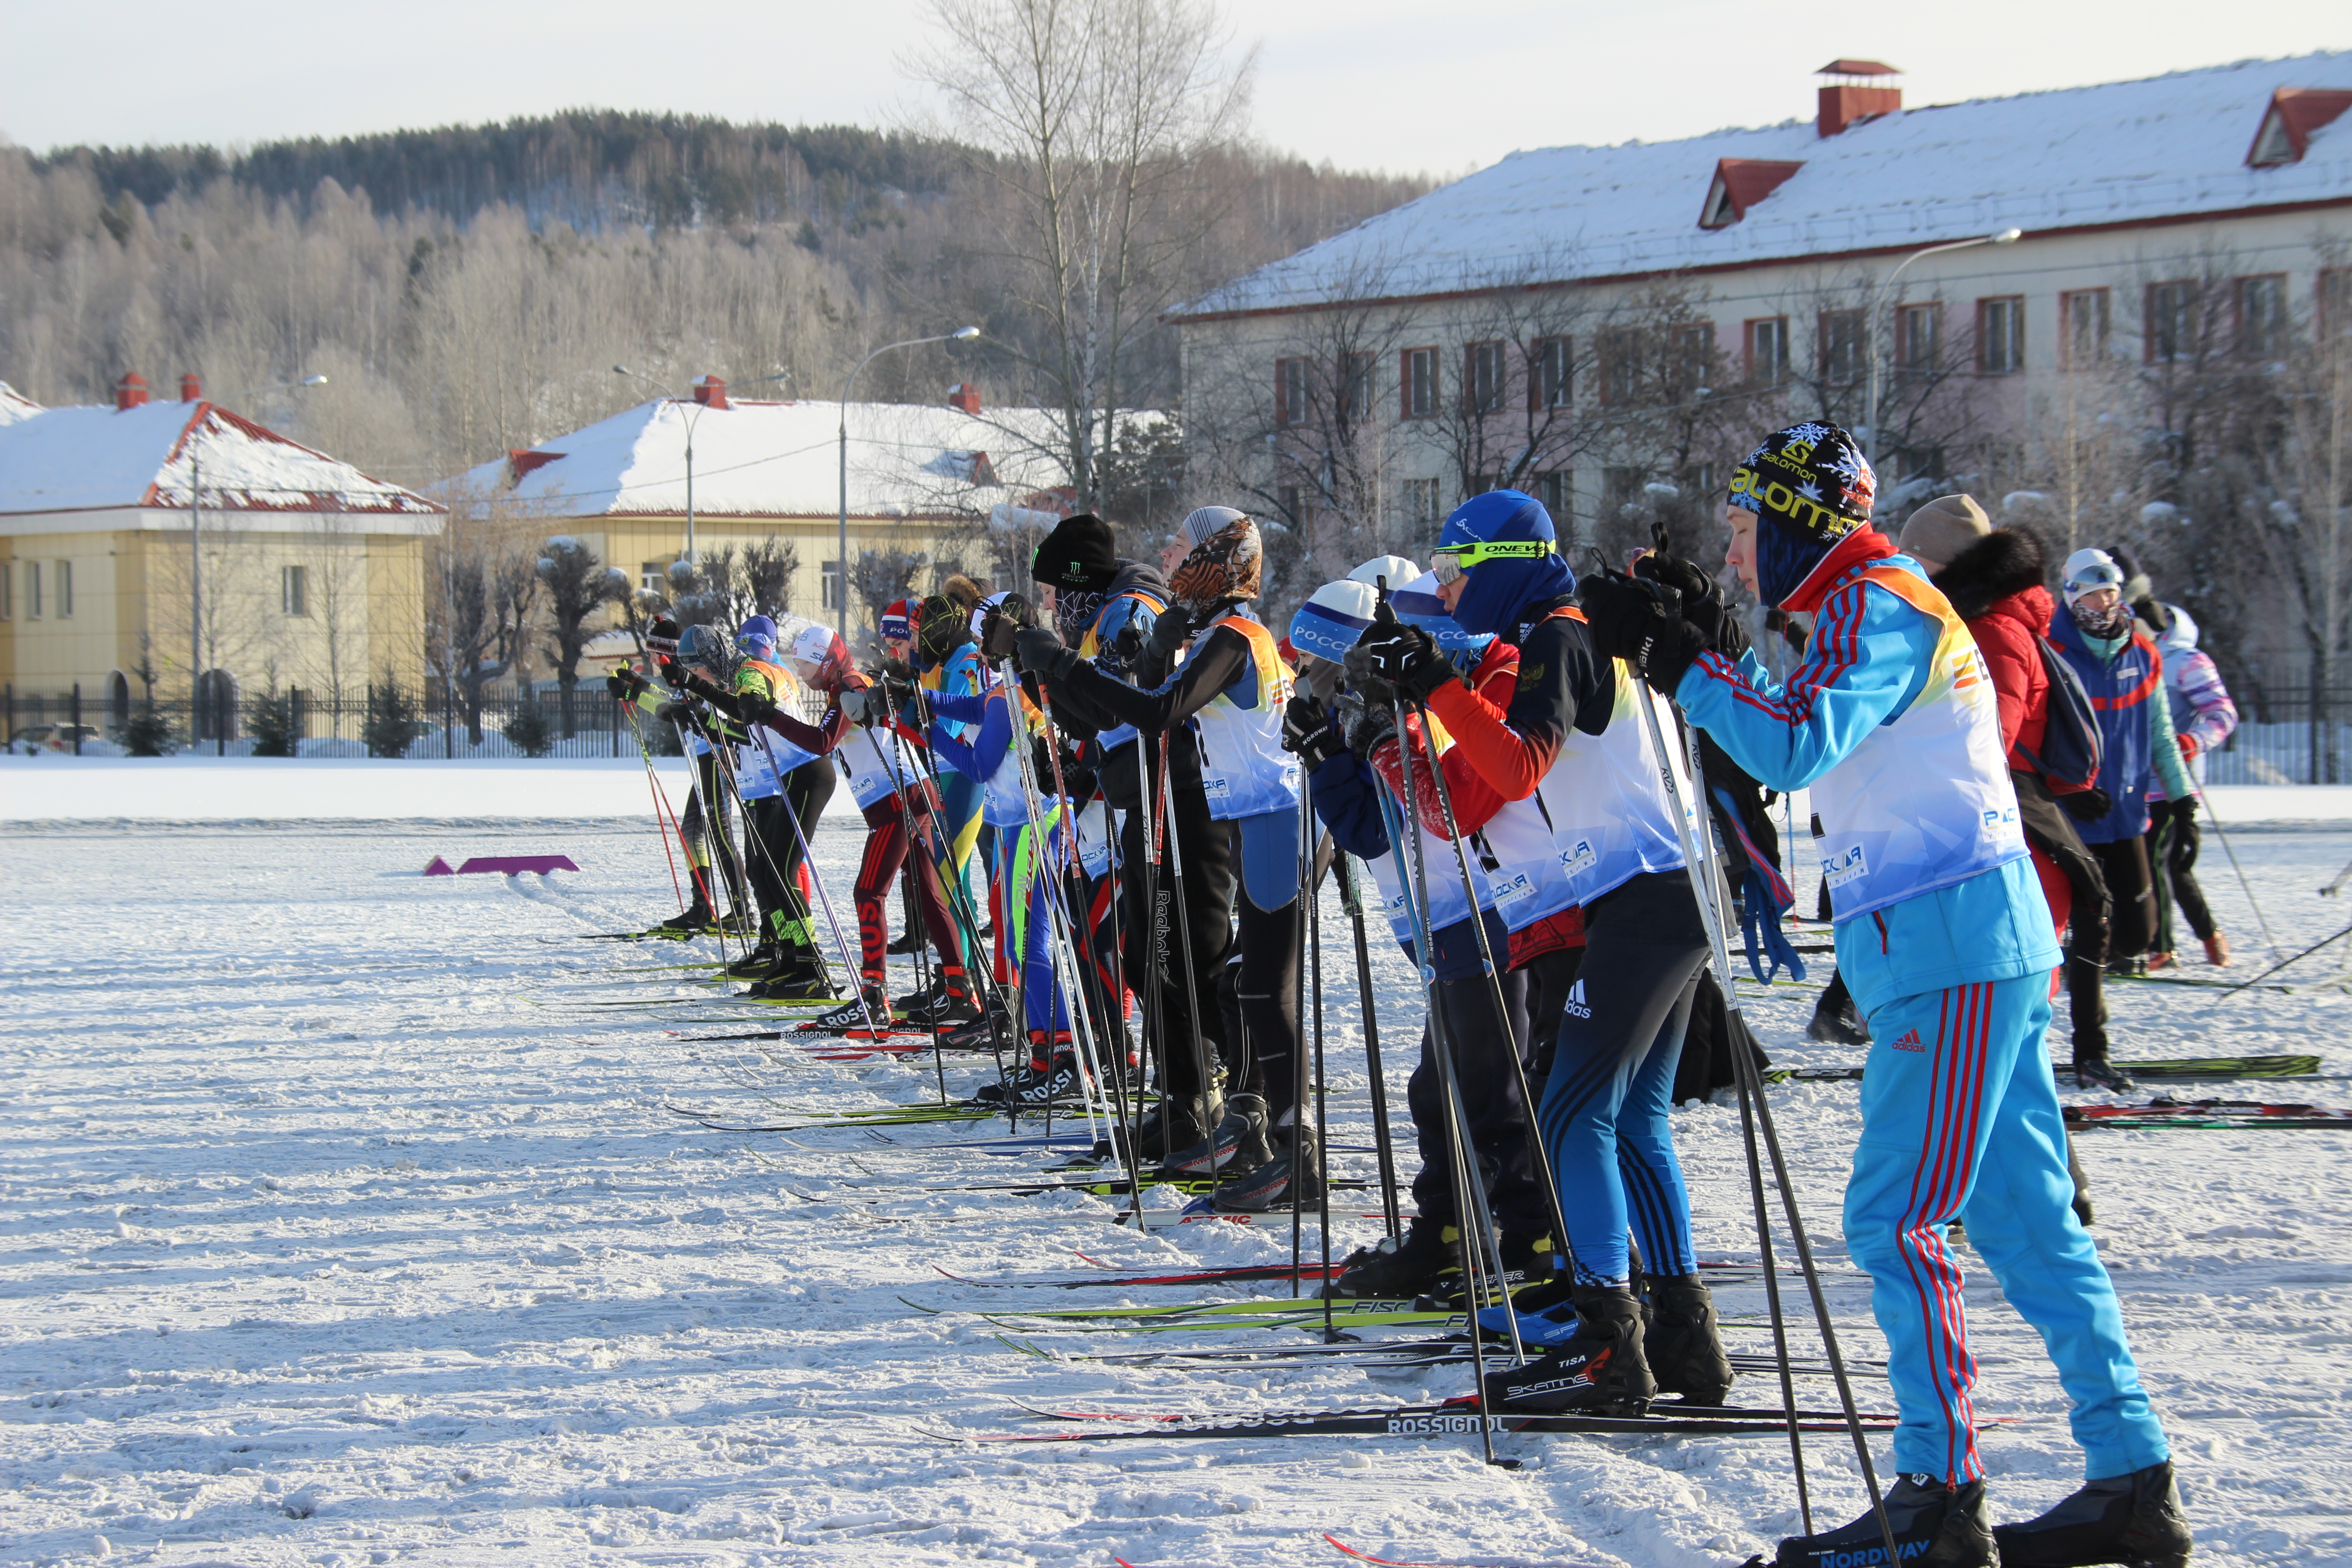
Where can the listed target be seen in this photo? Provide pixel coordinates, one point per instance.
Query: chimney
(964, 395)
(1859, 89)
(711, 392)
(131, 392)
(192, 387)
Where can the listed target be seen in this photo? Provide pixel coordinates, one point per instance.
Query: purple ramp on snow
(437, 866)
(511, 864)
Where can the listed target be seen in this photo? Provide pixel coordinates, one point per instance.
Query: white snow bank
(53, 788)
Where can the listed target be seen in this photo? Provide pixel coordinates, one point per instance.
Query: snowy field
(342, 1221)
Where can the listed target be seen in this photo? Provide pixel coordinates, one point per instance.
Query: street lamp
(841, 605)
(196, 563)
(2006, 236)
(692, 417)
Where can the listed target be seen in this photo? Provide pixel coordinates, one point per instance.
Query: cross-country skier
(2203, 717)
(1232, 686)
(706, 826)
(1945, 939)
(1573, 737)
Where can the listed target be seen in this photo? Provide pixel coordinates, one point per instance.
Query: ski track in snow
(334, 1230)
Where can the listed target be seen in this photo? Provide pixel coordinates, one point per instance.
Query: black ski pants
(2049, 829)
(773, 853)
(1483, 1044)
(2132, 891)
(1154, 953)
(2173, 841)
(708, 829)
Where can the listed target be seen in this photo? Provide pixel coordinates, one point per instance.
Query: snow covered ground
(342, 1221)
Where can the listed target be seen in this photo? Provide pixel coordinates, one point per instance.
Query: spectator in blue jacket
(2124, 673)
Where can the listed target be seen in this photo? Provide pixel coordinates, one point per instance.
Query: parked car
(34, 738)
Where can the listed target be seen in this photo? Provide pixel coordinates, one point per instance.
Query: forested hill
(586, 168)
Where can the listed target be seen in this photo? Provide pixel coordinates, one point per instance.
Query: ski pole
(1351, 895)
(816, 881)
(1298, 1047)
(1698, 860)
(2282, 962)
(1322, 1093)
(1212, 1087)
(2165, 890)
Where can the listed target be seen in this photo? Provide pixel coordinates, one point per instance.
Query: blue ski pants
(1960, 1119)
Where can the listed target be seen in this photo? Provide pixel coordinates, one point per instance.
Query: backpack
(2069, 759)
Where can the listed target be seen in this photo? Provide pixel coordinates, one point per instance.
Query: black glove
(1640, 622)
(1307, 731)
(1170, 630)
(1406, 659)
(1000, 626)
(1703, 603)
(2088, 806)
(1084, 785)
(1364, 724)
(673, 713)
(624, 684)
(1042, 654)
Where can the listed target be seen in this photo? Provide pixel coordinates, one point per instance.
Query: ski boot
(907, 942)
(1529, 1279)
(1837, 1021)
(802, 977)
(1038, 1084)
(1293, 1178)
(1599, 1369)
(987, 1032)
(740, 921)
(1934, 1525)
(2217, 950)
(942, 1004)
(696, 917)
(1237, 1148)
(2157, 962)
(2099, 1072)
(852, 1017)
(1402, 1267)
(756, 964)
(2133, 1519)
(1168, 1127)
(2130, 966)
(1682, 1343)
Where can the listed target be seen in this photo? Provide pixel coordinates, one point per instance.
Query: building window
(1767, 350)
(1690, 352)
(1289, 393)
(7, 590)
(1555, 373)
(32, 590)
(1485, 375)
(1621, 367)
(65, 590)
(1355, 387)
(2001, 335)
(2261, 316)
(655, 575)
(1556, 487)
(1418, 393)
(2171, 323)
(1286, 498)
(1918, 338)
(2335, 300)
(2082, 322)
(831, 597)
(294, 590)
(1838, 337)
(1419, 499)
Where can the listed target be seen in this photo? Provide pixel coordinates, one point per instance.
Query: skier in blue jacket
(1944, 938)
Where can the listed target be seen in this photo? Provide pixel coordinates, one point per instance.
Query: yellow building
(145, 541)
(958, 484)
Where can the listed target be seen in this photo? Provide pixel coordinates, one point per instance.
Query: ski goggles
(1450, 561)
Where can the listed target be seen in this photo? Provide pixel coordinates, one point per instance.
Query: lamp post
(196, 565)
(2006, 236)
(841, 605)
(692, 417)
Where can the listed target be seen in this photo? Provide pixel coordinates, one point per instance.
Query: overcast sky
(1442, 86)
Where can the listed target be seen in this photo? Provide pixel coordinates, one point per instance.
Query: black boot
(1682, 1342)
(938, 1005)
(1530, 1274)
(1401, 1268)
(2099, 1072)
(2134, 1519)
(797, 977)
(1291, 1178)
(1167, 1128)
(1935, 1526)
(754, 965)
(1236, 1147)
(1599, 1371)
(694, 918)
(1836, 1020)
(868, 1014)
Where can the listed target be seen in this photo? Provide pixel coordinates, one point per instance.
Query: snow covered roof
(15, 404)
(89, 458)
(779, 459)
(2169, 148)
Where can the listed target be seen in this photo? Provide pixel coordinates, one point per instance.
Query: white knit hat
(1395, 568)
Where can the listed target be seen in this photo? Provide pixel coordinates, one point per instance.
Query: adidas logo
(1909, 1042)
(1577, 1006)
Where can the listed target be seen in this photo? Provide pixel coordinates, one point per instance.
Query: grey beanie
(1940, 531)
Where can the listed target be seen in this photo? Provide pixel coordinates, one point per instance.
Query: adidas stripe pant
(1960, 1118)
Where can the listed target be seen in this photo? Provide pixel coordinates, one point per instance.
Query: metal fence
(2285, 738)
(297, 722)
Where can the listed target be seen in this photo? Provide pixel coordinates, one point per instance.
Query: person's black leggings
(2173, 839)
(2132, 894)
(774, 858)
(1154, 953)
(1483, 1044)
(2052, 832)
(709, 836)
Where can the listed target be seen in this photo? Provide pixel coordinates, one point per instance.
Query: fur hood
(2006, 562)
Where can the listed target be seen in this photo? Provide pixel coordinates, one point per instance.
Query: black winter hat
(1076, 555)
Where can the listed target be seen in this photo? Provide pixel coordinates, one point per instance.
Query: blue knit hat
(1503, 581)
(756, 638)
(1333, 618)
